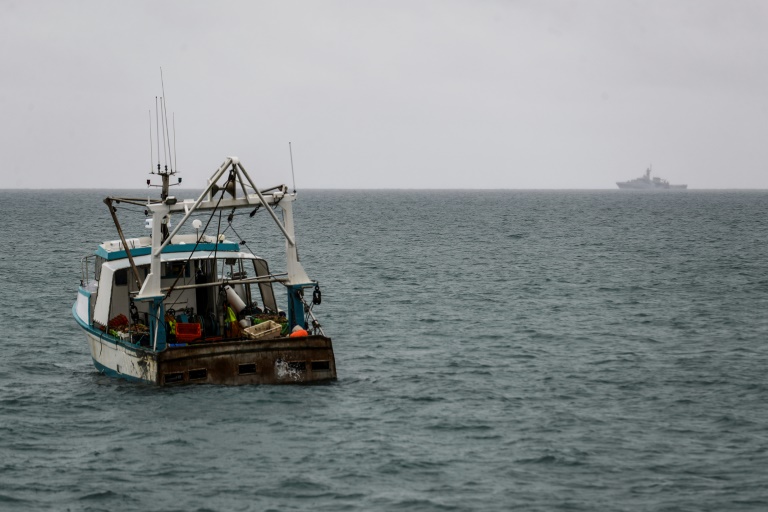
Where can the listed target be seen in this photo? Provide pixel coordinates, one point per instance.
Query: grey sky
(411, 94)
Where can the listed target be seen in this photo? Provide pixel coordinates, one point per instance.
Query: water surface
(496, 350)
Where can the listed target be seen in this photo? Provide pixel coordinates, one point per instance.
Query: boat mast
(166, 144)
(150, 290)
(166, 175)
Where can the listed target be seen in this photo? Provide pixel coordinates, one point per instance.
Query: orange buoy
(299, 333)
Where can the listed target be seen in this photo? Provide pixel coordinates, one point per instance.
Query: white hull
(120, 361)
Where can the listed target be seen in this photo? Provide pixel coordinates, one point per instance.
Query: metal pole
(108, 202)
(269, 210)
(199, 200)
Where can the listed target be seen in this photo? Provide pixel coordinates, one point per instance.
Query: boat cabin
(193, 282)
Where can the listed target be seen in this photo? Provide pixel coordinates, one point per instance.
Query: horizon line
(401, 189)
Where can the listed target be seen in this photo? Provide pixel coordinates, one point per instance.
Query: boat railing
(85, 266)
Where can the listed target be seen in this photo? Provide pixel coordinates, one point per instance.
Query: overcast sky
(388, 94)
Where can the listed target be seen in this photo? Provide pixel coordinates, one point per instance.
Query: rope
(184, 267)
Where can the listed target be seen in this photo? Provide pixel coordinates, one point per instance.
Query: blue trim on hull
(109, 372)
(87, 294)
(106, 337)
(81, 323)
(112, 340)
(92, 330)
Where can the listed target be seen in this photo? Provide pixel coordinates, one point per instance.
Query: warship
(645, 182)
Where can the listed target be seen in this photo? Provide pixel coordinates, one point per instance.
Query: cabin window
(173, 269)
(268, 302)
(121, 277)
(99, 262)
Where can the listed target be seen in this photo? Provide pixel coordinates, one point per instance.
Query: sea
(496, 350)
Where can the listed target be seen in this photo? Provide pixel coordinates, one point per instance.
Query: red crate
(188, 332)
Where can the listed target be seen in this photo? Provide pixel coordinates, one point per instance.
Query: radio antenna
(290, 151)
(151, 149)
(166, 135)
(162, 124)
(175, 163)
(157, 135)
(169, 153)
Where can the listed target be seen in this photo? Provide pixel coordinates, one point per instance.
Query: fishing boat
(188, 305)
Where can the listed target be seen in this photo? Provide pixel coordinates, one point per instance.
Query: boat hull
(650, 186)
(307, 359)
(118, 360)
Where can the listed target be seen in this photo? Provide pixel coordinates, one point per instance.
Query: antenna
(162, 125)
(290, 151)
(166, 135)
(169, 154)
(151, 149)
(175, 163)
(157, 134)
